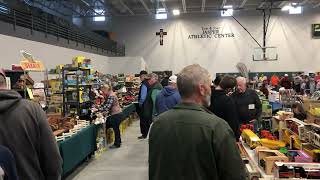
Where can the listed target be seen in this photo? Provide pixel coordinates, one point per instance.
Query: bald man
(190, 143)
(247, 101)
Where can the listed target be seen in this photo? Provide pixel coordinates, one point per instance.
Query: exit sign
(316, 30)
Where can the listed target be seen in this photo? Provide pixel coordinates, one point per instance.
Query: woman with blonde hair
(112, 107)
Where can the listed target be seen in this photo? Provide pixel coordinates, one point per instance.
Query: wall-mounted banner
(211, 33)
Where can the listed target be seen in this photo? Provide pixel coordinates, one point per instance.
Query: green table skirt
(127, 110)
(77, 148)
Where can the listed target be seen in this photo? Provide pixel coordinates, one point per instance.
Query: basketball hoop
(265, 54)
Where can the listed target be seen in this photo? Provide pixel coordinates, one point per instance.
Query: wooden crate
(268, 157)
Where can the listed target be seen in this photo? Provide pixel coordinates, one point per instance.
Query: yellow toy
(250, 138)
(272, 144)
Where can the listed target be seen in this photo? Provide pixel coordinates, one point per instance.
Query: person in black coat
(223, 106)
(8, 164)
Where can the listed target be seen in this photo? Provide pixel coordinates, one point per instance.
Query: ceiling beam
(262, 4)
(223, 3)
(243, 3)
(282, 4)
(317, 5)
(145, 6)
(92, 9)
(304, 2)
(184, 6)
(48, 7)
(126, 7)
(164, 5)
(203, 6)
(70, 8)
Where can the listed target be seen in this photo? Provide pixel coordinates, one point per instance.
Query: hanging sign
(29, 64)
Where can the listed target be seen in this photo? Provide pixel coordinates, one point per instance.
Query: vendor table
(127, 110)
(81, 145)
(77, 148)
(254, 160)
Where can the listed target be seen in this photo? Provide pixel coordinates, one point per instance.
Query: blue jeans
(115, 121)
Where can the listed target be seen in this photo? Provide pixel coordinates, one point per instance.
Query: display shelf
(71, 89)
(57, 93)
(81, 85)
(76, 68)
(75, 85)
(72, 103)
(254, 160)
(76, 102)
(70, 68)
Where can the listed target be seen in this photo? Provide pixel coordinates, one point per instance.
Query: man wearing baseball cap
(25, 131)
(168, 97)
(143, 91)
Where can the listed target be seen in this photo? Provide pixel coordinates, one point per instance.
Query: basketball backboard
(265, 54)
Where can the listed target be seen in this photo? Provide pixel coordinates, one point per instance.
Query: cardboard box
(267, 158)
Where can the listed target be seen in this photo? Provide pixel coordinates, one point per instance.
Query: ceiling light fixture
(285, 8)
(161, 10)
(162, 16)
(161, 13)
(176, 12)
(99, 15)
(227, 11)
(293, 8)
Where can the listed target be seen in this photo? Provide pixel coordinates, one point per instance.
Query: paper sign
(251, 106)
(30, 94)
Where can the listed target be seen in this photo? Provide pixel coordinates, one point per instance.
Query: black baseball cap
(143, 73)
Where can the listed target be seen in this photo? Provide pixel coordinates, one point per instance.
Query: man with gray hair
(149, 110)
(188, 141)
(247, 101)
(26, 133)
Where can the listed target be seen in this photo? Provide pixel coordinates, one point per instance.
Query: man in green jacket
(149, 108)
(190, 143)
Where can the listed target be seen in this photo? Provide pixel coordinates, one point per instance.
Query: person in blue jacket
(168, 97)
